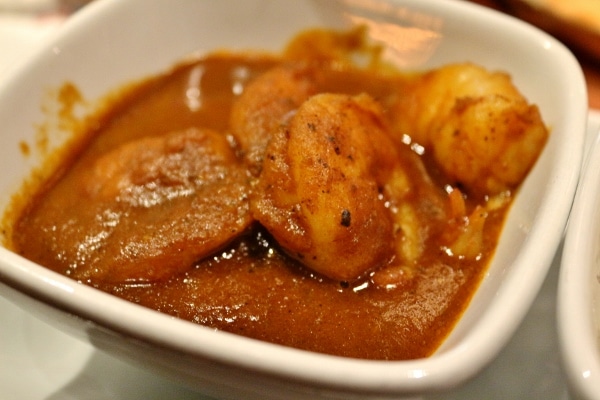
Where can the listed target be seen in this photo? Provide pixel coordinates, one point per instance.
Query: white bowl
(579, 284)
(115, 41)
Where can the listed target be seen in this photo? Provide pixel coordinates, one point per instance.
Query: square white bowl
(112, 42)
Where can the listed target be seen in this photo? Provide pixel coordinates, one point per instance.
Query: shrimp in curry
(333, 207)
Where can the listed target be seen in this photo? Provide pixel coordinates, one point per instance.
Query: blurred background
(575, 22)
(41, 6)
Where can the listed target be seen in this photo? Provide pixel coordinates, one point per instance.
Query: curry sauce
(167, 207)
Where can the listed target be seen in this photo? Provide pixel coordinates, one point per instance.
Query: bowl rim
(580, 349)
(379, 376)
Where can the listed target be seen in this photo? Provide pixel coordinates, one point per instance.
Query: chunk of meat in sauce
(481, 130)
(320, 191)
(264, 105)
(147, 209)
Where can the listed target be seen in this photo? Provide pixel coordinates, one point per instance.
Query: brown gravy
(250, 287)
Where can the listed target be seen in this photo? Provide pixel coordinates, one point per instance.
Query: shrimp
(264, 105)
(480, 129)
(149, 208)
(320, 191)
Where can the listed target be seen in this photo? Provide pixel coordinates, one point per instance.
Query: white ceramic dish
(579, 285)
(110, 43)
